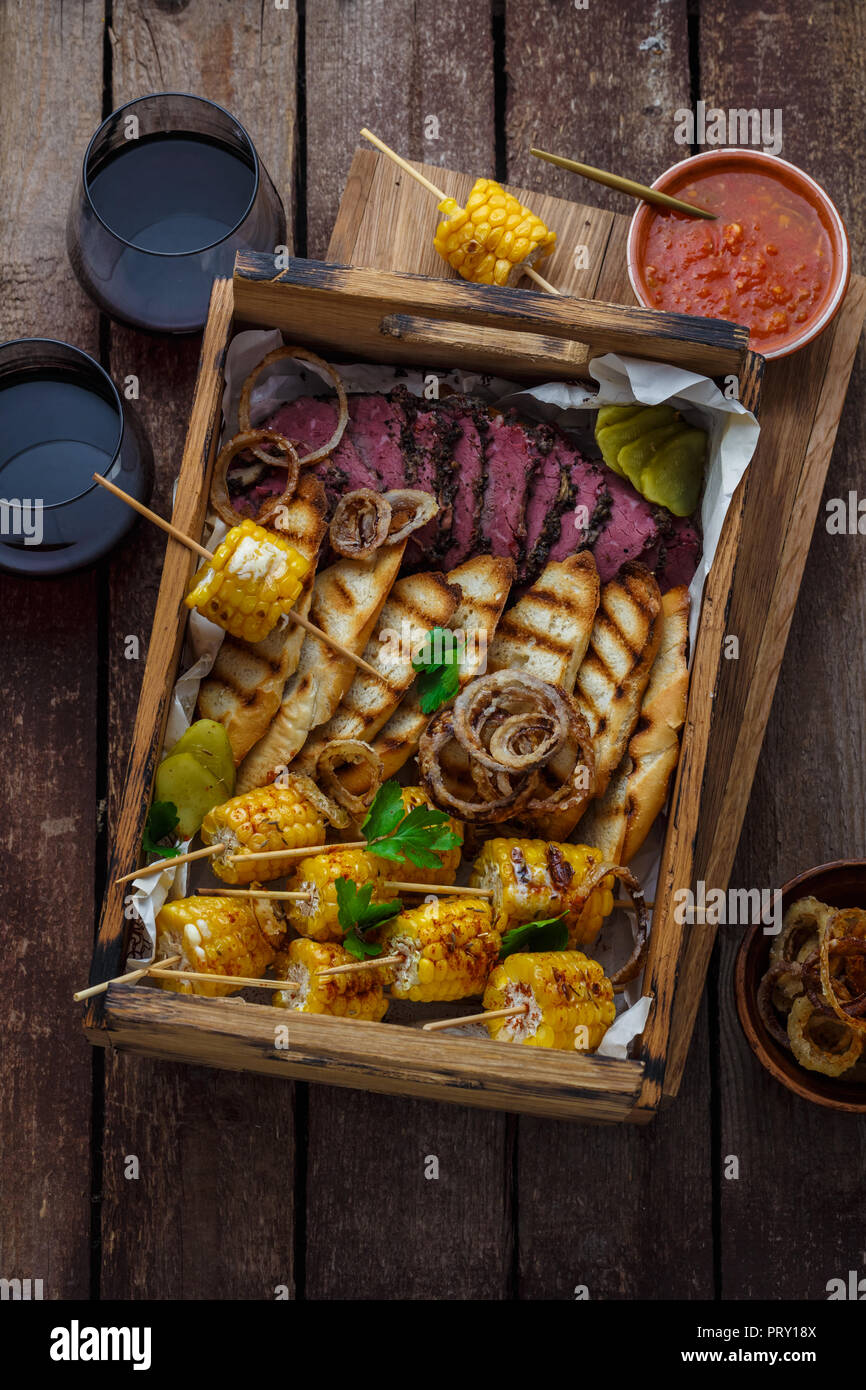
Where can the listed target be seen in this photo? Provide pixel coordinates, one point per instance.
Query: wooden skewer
(159, 864)
(128, 979)
(359, 965)
(626, 905)
(208, 555)
(244, 980)
(629, 186)
(297, 853)
(437, 889)
(513, 1012)
(441, 196)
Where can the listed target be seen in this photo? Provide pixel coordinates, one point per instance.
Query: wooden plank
(243, 57)
(807, 804)
(358, 59)
(52, 66)
(400, 70)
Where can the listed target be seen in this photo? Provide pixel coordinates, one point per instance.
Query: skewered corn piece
(448, 948)
(359, 994)
(269, 818)
(491, 240)
(412, 797)
(570, 1001)
(318, 876)
(536, 879)
(252, 581)
(225, 936)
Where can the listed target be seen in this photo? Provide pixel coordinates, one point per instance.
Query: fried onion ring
(303, 355)
(219, 492)
(337, 815)
(636, 961)
(349, 750)
(495, 804)
(769, 981)
(820, 1044)
(410, 510)
(360, 523)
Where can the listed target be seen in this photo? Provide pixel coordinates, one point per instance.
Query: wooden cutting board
(386, 222)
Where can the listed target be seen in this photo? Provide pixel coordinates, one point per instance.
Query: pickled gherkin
(661, 455)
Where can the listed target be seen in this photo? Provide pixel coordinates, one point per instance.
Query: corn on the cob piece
(536, 879)
(252, 581)
(356, 995)
(448, 949)
(412, 797)
(317, 875)
(269, 818)
(226, 936)
(493, 237)
(570, 1000)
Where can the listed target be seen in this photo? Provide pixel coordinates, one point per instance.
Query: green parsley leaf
(438, 665)
(549, 934)
(162, 819)
(421, 836)
(358, 915)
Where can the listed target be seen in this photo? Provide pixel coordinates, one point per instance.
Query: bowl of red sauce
(776, 258)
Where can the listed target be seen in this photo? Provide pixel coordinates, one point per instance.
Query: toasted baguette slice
(244, 688)
(348, 598)
(603, 823)
(613, 677)
(654, 748)
(484, 584)
(548, 630)
(415, 604)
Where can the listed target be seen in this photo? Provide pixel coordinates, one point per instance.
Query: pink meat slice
(469, 463)
(631, 528)
(509, 471)
(681, 552)
(580, 518)
(375, 427)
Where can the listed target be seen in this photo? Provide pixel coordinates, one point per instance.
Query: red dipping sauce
(771, 260)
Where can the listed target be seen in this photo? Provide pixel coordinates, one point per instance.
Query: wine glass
(170, 188)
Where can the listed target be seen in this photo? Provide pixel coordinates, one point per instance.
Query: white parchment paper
(733, 436)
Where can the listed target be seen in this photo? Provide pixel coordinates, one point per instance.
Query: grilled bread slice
(244, 687)
(484, 584)
(548, 630)
(615, 672)
(613, 677)
(415, 605)
(603, 823)
(654, 748)
(348, 598)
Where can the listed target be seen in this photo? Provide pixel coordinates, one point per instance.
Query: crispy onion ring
(803, 919)
(821, 988)
(360, 523)
(349, 750)
(219, 493)
(828, 1055)
(766, 989)
(410, 510)
(303, 355)
(512, 727)
(636, 961)
(337, 815)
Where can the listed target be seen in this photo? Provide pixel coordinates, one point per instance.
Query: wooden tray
(394, 317)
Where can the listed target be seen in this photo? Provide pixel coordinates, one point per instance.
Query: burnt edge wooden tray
(523, 334)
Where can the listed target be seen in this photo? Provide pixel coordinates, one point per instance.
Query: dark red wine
(55, 433)
(173, 194)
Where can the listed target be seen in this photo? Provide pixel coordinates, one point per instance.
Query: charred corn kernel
(492, 237)
(318, 876)
(273, 817)
(448, 949)
(220, 936)
(251, 582)
(568, 999)
(360, 994)
(535, 879)
(412, 797)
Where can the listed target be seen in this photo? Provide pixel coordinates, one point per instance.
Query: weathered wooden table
(245, 1184)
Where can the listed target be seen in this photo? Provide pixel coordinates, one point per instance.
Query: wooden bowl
(841, 884)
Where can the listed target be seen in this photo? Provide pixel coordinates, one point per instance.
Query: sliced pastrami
(470, 470)
(631, 527)
(681, 551)
(586, 509)
(375, 428)
(309, 423)
(428, 438)
(510, 465)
